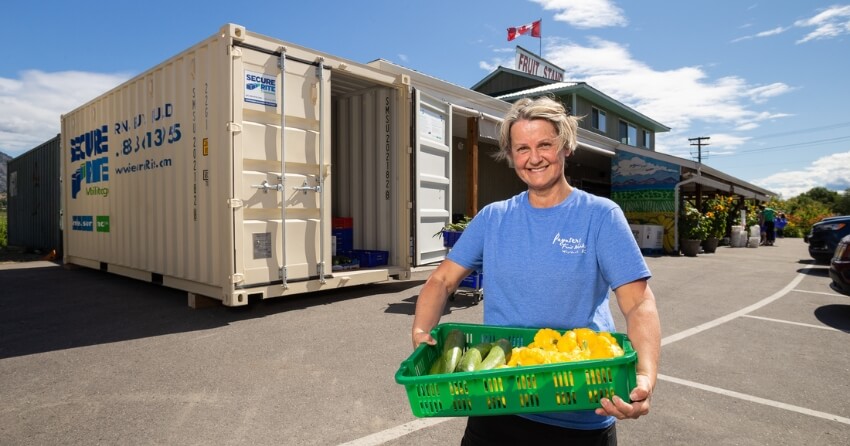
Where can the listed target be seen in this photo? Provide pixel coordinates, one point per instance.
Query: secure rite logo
(82, 223)
(91, 149)
(87, 223)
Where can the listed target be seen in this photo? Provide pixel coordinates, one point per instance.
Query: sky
(765, 81)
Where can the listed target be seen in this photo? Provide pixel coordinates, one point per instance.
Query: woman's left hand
(622, 410)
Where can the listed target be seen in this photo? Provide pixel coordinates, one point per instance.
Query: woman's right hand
(419, 336)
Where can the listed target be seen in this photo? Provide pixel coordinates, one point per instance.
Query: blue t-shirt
(552, 268)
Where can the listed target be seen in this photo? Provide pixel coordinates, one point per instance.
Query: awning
(595, 149)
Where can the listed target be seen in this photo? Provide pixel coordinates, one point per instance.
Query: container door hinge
(234, 203)
(237, 277)
(233, 127)
(281, 273)
(320, 269)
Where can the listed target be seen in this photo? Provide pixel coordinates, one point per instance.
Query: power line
(808, 130)
(792, 146)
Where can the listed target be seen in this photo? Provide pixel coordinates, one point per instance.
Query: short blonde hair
(543, 107)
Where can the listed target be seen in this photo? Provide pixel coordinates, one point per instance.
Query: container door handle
(304, 187)
(265, 186)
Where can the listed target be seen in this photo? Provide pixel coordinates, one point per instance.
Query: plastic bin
(450, 238)
(560, 387)
(344, 239)
(369, 258)
(474, 280)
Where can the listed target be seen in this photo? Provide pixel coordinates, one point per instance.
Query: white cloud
(829, 172)
(770, 32)
(677, 97)
(765, 92)
(402, 57)
(496, 62)
(33, 103)
(586, 13)
(829, 23)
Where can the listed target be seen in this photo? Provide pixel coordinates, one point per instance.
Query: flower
(694, 225)
(717, 213)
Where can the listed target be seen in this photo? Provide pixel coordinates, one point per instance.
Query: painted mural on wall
(645, 190)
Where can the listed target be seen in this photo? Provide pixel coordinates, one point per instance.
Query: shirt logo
(569, 245)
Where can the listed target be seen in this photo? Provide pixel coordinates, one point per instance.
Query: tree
(842, 206)
(822, 195)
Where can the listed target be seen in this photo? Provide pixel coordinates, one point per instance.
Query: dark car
(839, 267)
(825, 235)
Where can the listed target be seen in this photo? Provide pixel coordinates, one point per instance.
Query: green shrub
(4, 235)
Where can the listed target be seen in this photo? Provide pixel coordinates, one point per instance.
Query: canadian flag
(533, 28)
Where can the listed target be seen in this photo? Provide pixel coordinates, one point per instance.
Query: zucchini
(453, 350)
(437, 366)
(500, 354)
(473, 357)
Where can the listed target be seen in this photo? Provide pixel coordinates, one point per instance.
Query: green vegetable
(499, 354)
(452, 350)
(436, 367)
(473, 357)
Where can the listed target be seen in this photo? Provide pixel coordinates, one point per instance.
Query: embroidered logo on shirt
(570, 245)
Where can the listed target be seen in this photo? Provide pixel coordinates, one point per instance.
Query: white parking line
(722, 320)
(819, 292)
(755, 399)
(395, 432)
(790, 322)
(415, 425)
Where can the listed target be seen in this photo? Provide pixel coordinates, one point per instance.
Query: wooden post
(472, 167)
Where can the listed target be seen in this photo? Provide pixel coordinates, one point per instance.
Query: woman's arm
(637, 302)
(432, 299)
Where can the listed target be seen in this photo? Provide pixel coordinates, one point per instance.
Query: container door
(432, 175)
(281, 158)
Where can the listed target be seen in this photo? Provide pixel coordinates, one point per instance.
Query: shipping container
(220, 171)
(33, 193)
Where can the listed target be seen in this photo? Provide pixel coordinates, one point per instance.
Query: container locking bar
(304, 187)
(265, 186)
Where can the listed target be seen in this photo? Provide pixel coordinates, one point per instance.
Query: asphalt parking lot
(754, 353)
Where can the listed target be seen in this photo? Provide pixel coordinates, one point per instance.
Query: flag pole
(540, 50)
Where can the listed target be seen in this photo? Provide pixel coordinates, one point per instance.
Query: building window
(647, 139)
(628, 134)
(598, 119)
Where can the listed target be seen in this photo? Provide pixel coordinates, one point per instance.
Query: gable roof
(593, 95)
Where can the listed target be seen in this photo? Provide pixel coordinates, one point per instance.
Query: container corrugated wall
(148, 173)
(34, 199)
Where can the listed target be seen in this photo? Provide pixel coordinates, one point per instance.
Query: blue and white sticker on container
(260, 89)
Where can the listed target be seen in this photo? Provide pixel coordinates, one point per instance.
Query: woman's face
(535, 155)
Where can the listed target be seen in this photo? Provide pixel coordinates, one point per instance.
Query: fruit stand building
(617, 156)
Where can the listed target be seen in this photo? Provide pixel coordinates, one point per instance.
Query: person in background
(552, 255)
(780, 224)
(762, 228)
(769, 229)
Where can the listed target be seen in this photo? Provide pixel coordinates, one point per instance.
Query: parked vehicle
(839, 266)
(825, 235)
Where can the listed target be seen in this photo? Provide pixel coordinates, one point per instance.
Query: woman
(551, 255)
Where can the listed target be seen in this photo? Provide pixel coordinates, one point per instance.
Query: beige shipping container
(219, 171)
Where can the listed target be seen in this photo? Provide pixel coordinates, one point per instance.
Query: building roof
(594, 96)
(697, 173)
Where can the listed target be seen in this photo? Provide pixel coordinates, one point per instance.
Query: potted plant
(693, 230)
(452, 231)
(716, 214)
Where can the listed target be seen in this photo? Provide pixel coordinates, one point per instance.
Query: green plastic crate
(557, 387)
